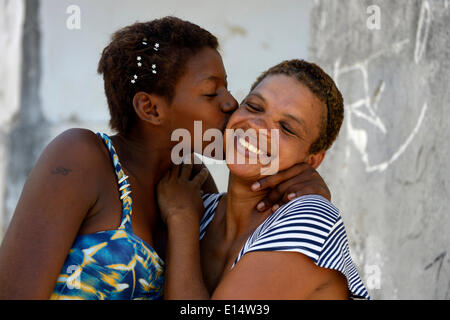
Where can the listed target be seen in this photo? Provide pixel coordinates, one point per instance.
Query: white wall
(11, 20)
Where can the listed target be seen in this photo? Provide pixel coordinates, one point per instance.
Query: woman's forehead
(287, 95)
(283, 90)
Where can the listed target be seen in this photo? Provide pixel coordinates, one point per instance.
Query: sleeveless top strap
(124, 186)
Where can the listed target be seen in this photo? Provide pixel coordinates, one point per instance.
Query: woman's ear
(314, 160)
(149, 107)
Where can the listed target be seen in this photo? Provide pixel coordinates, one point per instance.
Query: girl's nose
(229, 104)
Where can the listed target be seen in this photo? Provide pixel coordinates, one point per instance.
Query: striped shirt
(310, 225)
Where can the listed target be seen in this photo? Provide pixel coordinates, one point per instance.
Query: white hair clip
(139, 60)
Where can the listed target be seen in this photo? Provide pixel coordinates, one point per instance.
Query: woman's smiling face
(283, 103)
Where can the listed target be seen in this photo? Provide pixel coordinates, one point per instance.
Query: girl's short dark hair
(178, 41)
(323, 87)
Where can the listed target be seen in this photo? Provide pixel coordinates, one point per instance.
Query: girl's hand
(179, 195)
(299, 180)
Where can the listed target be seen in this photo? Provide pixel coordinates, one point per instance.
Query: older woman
(298, 252)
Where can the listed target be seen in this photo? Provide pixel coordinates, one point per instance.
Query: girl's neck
(241, 216)
(143, 158)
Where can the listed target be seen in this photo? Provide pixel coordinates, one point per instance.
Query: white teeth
(249, 146)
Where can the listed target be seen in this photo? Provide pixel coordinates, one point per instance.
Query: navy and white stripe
(210, 202)
(310, 225)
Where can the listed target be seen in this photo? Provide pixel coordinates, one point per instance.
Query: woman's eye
(252, 108)
(286, 129)
(212, 95)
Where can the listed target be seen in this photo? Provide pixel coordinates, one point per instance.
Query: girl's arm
(58, 193)
(183, 275)
(181, 208)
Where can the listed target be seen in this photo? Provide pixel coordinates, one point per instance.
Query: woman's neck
(241, 215)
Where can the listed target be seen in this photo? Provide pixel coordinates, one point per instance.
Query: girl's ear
(150, 108)
(314, 160)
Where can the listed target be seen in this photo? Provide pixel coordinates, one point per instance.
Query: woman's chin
(246, 170)
(252, 171)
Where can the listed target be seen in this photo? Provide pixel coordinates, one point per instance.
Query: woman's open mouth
(249, 146)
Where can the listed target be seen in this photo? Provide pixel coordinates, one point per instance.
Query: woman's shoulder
(310, 225)
(303, 225)
(314, 210)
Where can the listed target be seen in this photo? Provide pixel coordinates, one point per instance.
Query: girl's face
(201, 94)
(283, 103)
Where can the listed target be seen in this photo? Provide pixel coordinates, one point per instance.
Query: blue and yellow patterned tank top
(113, 264)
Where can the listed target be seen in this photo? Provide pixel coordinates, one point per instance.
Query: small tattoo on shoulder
(61, 170)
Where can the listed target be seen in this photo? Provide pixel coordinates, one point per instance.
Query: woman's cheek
(286, 161)
(290, 154)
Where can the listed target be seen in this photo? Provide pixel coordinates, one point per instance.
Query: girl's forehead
(206, 63)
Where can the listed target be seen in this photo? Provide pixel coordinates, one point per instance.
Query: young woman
(298, 252)
(87, 225)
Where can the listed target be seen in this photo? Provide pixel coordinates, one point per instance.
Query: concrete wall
(389, 169)
(11, 27)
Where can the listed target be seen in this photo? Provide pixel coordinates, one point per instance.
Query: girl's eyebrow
(215, 79)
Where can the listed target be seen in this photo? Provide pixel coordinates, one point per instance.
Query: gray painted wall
(389, 170)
